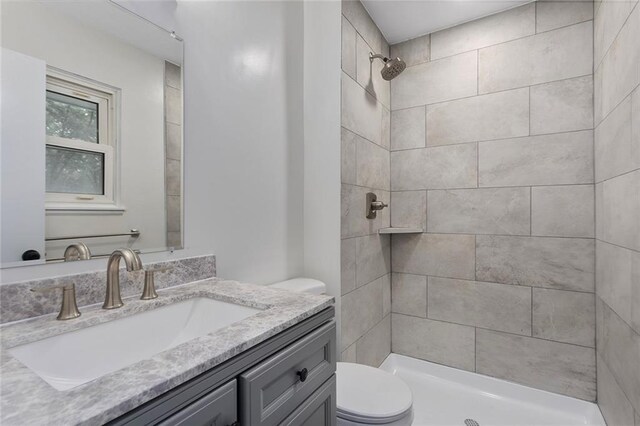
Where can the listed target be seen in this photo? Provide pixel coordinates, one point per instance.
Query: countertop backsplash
(17, 302)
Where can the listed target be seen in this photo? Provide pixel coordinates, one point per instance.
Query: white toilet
(366, 395)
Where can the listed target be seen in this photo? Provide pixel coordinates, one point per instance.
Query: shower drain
(471, 422)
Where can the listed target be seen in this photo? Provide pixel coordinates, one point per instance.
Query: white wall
(70, 45)
(244, 136)
(248, 198)
(322, 21)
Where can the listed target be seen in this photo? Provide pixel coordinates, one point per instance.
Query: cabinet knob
(303, 374)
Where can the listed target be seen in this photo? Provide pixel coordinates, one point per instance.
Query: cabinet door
(218, 408)
(273, 389)
(318, 410)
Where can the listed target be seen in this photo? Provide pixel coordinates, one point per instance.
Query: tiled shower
(513, 142)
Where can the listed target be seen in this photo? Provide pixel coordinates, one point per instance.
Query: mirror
(91, 134)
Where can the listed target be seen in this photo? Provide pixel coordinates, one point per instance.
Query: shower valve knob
(373, 205)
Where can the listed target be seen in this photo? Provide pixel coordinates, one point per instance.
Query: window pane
(71, 118)
(74, 171)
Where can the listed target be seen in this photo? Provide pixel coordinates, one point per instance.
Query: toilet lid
(370, 394)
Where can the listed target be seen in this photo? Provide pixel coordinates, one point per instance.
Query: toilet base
(405, 421)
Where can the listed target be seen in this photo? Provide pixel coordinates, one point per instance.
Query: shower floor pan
(444, 396)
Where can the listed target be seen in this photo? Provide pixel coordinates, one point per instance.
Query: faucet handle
(69, 308)
(149, 291)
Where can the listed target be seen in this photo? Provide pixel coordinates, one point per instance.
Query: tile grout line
(510, 138)
(526, 336)
(492, 92)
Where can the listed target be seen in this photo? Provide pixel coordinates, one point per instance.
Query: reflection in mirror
(91, 132)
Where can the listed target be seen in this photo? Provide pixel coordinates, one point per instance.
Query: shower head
(392, 67)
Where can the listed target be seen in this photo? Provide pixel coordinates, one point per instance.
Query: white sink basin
(71, 359)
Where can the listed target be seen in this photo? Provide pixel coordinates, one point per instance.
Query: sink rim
(53, 374)
(25, 331)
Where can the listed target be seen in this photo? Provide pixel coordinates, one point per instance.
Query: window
(80, 143)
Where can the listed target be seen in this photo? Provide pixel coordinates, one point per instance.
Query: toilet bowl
(365, 395)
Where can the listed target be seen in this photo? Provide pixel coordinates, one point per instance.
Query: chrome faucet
(77, 251)
(133, 263)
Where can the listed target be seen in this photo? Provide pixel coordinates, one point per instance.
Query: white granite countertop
(26, 399)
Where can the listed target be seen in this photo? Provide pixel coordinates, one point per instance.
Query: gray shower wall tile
(409, 209)
(349, 354)
(348, 265)
(173, 105)
(348, 143)
(562, 106)
(348, 48)
(564, 316)
(408, 128)
(551, 15)
(358, 16)
(414, 51)
(173, 75)
(174, 216)
(360, 311)
(372, 165)
(386, 129)
(409, 294)
(619, 347)
(495, 306)
(494, 116)
(435, 168)
(559, 263)
(480, 211)
(599, 208)
(563, 211)
(635, 122)
(361, 113)
(173, 177)
(617, 276)
(386, 294)
(607, 23)
(375, 345)
(621, 209)
(436, 81)
(494, 29)
(615, 407)
(616, 151)
(174, 141)
(354, 222)
(368, 73)
(552, 366)
(619, 73)
(443, 255)
(373, 258)
(435, 341)
(555, 55)
(563, 158)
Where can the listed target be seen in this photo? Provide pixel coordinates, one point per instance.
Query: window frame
(107, 98)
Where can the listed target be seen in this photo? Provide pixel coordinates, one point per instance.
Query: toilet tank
(308, 285)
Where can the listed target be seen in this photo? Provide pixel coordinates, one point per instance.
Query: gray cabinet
(273, 389)
(318, 410)
(219, 408)
(288, 379)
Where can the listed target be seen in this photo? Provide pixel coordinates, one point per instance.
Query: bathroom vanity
(287, 380)
(273, 365)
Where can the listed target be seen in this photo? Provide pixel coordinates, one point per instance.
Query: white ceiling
(401, 20)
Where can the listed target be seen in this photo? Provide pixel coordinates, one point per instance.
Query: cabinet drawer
(273, 389)
(218, 408)
(318, 410)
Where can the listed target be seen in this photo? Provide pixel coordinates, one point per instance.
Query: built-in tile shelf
(401, 231)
